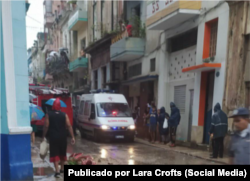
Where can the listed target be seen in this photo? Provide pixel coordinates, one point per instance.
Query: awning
(202, 67)
(141, 79)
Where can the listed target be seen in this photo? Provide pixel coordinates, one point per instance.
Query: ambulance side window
(92, 113)
(81, 108)
(93, 109)
(87, 108)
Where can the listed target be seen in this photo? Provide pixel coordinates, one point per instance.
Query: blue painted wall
(16, 157)
(3, 115)
(20, 59)
(16, 161)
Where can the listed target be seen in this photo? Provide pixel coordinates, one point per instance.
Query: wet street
(114, 153)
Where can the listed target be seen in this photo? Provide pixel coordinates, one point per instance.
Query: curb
(181, 152)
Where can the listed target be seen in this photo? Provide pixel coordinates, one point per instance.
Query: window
(152, 65)
(81, 108)
(113, 110)
(210, 39)
(213, 39)
(134, 70)
(75, 44)
(95, 79)
(83, 43)
(115, 67)
(102, 16)
(183, 41)
(104, 76)
(93, 108)
(87, 108)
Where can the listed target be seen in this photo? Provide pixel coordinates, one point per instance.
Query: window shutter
(180, 97)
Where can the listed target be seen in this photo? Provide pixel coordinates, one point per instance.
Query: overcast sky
(34, 21)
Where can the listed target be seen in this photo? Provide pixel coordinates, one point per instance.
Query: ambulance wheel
(96, 136)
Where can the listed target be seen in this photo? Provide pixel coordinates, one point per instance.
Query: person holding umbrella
(57, 123)
(36, 113)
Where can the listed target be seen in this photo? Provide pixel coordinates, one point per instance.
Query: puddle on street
(42, 171)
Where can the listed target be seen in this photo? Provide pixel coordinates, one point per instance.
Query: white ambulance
(105, 115)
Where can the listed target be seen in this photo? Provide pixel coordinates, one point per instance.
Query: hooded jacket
(219, 123)
(175, 117)
(162, 116)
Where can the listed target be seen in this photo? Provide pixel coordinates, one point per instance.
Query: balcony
(126, 48)
(162, 15)
(48, 20)
(79, 19)
(78, 64)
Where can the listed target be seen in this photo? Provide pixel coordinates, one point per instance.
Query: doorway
(208, 106)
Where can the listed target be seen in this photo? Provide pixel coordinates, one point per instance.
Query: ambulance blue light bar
(102, 91)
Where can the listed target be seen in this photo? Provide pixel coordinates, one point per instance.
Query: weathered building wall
(238, 57)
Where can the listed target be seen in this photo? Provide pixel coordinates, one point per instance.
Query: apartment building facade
(192, 60)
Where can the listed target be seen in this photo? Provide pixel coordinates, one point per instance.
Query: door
(190, 114)
(88, 123)
(80, 114)
(209, 106)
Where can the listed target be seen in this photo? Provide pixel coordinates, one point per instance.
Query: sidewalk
(42, 170)
(187, 151)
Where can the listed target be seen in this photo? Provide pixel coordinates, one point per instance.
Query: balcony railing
(79, 19)
(78, 64)
(126, 48)
(48, 20)
(162, 15)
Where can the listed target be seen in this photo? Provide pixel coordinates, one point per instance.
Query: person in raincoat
(173, 121)
(219, 127)
(161, 119)
(240, 142)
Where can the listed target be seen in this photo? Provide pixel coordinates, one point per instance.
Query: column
(15, 117)
(163, 89)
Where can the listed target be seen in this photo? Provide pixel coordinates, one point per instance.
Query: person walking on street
(174, 121)
(153, 123)
(56, 123)
(240, 142)
(218, 130)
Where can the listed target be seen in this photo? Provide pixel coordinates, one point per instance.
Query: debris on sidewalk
(80, 159)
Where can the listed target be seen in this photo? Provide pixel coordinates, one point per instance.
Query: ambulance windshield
(113, 110)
